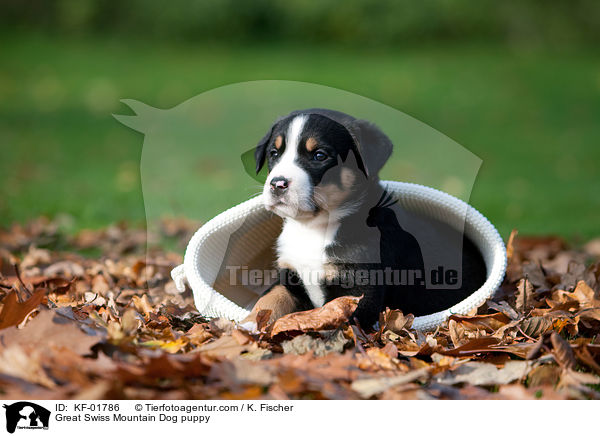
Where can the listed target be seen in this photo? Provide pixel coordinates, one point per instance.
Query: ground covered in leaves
(91, 316)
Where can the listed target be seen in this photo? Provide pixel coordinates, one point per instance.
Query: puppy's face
(313, 163)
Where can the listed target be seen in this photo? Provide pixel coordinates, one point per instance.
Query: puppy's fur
(338, 221)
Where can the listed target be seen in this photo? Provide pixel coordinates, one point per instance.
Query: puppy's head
(318, 160)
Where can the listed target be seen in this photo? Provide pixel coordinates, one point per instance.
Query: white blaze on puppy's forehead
(295, 129)
(286, 167)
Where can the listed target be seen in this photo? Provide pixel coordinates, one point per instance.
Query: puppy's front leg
(278, 299)
(285, 296)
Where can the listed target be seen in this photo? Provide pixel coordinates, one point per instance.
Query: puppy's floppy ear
(373, 147)
(261, 149)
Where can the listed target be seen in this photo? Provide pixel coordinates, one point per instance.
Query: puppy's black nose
(279, 185)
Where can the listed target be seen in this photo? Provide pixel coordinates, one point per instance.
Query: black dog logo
(24, 414)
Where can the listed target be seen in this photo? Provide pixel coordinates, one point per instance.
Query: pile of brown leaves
(114, 327)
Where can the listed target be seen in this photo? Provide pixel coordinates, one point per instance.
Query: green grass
(532, 117)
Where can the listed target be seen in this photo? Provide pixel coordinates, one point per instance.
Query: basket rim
(212, 303)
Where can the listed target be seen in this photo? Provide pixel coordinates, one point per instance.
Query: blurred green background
(515, 82)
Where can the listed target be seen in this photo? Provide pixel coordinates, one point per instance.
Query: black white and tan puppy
(340, 225)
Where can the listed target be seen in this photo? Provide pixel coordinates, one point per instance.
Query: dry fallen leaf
(585, 295)
(14, 312)
(489, 323)
(49, 329)
(376, 358)
(25, 363)
(577, 384)
(111, 326)
(583, 355)
(562, 351)
(486, 374)
(225, 347)
(524, 297)
(366, 388)
(302, 344)
(330, 316)
(262, 319)
(509, 245)
(536, 326)
(544, 375)
(395, 320)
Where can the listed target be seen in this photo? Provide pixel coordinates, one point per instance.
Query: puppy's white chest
(302, 247)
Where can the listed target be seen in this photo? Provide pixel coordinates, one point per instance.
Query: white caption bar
(308, 418)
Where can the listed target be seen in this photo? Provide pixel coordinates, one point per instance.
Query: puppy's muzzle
(279, 185)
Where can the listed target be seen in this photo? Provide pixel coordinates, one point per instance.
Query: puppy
(343, 234)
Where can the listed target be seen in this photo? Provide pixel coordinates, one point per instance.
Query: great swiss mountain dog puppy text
(344, 234)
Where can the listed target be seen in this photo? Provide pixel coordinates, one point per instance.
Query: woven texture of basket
(245, 235)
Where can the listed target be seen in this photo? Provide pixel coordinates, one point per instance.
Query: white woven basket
(246, 234)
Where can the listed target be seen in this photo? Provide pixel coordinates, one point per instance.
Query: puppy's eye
(320, 156)
(273, 153)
